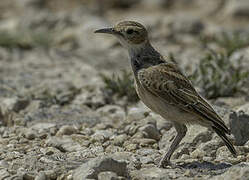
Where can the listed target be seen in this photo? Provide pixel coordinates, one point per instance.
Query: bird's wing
(167, 82)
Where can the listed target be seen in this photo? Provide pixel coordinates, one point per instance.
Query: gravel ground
(56, 120)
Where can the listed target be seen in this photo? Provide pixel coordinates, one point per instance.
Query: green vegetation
(218, 75)
(120, 86)
(58, 96)
(229, 41)
(232, 42)
(25, 40)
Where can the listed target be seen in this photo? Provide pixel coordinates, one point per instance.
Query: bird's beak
(106, 30)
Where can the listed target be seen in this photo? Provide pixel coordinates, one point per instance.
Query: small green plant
(218, 76)
(230, 41)
(122, 86)
(25, 40)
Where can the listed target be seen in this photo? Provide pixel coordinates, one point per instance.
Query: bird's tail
(228, 143)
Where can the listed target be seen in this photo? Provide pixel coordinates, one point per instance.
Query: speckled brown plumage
(164, 89)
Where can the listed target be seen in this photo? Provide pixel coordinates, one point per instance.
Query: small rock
(147, 120)
(138, 135)
(101, 136)
(120, 139)
(238, 9)
(244, 108)
(223, 154)
(23, 140)
(144, 141)
(93, 100)
(41, 127)
(13, 104)
(164, 125)
(167, 138)
(197, 134)
(108, 175)
(180, 151)
(131, 129)
(198, 153)
(105, 133)
(67, 176)
(110, 110)
(49, 151)
(150, 131)
(4, 164)
(43, 135)
(210, 147)
(64, 145)
(131, 159)
(185, 156)
(51, 174)
(66, 130)
(208, 159)
(94, 167)
(96, 149)
(81, 139)
(41, 176)
(130, 147)
(112, 149)
(239, 123)
(146, 160)
(115, 114)
(146, 151)
(34, 106)
(30, 134)
(98, 138)
(135, 114)
(188, 173)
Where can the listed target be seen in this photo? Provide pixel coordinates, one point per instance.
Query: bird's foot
(164, 163)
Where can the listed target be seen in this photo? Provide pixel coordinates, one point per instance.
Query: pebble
(130, 147)
(49, 151)
(144, 141)
(150, 131)
(66, 130)
(146, 160)
(107, 175)
(41, 176)
(4, 164)
(41, 127)
(120, 139)
(135, 114)
(30, 134)
(92, 168)
(74, 129)
(239, 124)
(198, 153)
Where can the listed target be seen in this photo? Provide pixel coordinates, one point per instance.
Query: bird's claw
(164, 164)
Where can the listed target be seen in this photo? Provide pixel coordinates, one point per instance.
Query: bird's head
(131, 34)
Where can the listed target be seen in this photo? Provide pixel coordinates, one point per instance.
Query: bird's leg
(181, 130)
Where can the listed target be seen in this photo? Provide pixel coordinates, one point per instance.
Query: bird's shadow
(209, 166)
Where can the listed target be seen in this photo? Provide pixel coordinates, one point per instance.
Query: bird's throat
(144, 57)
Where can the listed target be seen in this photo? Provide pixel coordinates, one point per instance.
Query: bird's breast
(166, 110)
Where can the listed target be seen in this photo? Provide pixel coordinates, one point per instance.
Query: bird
(162, 87)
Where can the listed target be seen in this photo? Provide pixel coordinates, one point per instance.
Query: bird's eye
(129, 31)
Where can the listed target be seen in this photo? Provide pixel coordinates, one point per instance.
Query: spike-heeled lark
(164, 89)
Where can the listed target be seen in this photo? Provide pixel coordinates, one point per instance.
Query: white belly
(167, 111)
